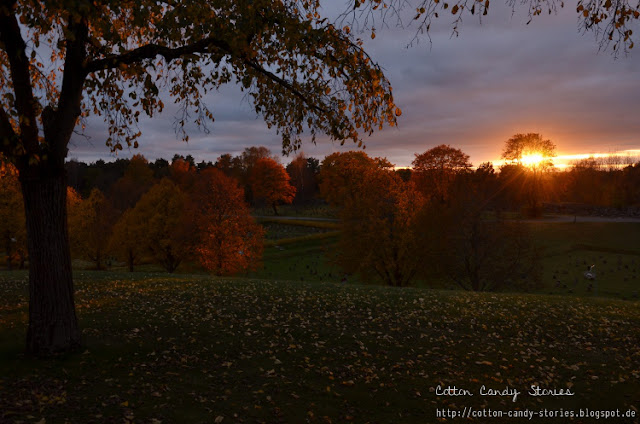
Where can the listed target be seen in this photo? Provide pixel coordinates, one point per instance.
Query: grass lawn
(302, 260)
(197, 349)
(302, 250)
(290, 345)
(567, 250)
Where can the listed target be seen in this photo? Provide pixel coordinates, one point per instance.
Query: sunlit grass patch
(301, 223)
(317, 211)
(303, 238)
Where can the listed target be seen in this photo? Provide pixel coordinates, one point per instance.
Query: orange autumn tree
(228, 238)
(271, 183)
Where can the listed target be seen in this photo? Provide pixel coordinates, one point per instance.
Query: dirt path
(545, 219)
(296, 218)
(572, 218)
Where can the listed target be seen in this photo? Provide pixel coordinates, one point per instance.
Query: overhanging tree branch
(150, 51)
(206, 46)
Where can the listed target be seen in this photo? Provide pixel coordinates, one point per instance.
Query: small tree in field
(270, 183)
(533, 155)
(167, 229)
(127, 238)
(379, 237)
(94, 218)
(476, 253)
(341, 174)
(228, 239)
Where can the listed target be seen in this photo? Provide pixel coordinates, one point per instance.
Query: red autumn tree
(270, 183)
(182, 173)
(228, 238)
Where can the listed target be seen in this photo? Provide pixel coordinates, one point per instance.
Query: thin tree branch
(286, 84)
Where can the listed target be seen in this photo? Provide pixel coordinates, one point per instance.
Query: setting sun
(532, 159)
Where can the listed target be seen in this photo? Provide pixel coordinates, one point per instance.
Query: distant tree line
(108, 176)
(441, 216)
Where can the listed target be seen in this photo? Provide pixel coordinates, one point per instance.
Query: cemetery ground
(292, 343)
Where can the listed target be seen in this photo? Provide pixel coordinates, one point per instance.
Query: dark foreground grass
(200, 350)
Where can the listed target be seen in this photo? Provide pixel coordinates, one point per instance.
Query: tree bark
(53, 325)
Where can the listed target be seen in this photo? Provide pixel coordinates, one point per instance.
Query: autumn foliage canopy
(229, 240)
(271, 183)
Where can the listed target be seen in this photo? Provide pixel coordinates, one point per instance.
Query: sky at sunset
(472, 92)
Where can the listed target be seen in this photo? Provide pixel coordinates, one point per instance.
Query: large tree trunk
(53, 326)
